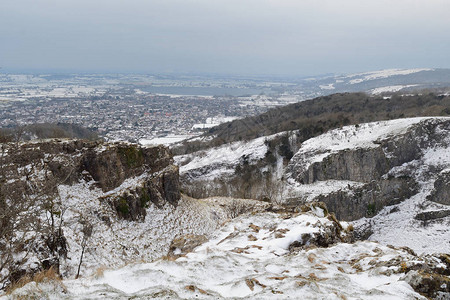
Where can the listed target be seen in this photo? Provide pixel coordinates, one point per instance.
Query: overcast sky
(248, 37)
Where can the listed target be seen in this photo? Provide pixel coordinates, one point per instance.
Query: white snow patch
(391, 88)
(327, 87)
(165, 140)
(350, 137)
(225, 155)
(382, 74)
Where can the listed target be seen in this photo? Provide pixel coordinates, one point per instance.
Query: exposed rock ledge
(388, 161)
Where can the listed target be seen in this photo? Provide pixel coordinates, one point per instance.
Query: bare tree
(18, 223)
(87, 233)
(31, 215)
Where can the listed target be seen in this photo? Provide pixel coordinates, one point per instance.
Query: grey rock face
(367, 200)
(432, 215)
(361, 165)
(372, 167)
(108, 164)
(441, 192)
(111, 166)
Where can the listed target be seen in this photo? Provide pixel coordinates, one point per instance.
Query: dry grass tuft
(40, 277)
(99, 272)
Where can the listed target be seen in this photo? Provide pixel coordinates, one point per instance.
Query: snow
(117, 242)
(400, 229)
(391, 88)
(203, 126)
(350, 137)
(382, 74)
(231, 265)
(327, 87)
(226, 155)
(308, 192)
(213, 121)
(166, 140)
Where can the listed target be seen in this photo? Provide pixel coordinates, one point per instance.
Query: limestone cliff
(384, 165)
(46, 164)
(55, 195)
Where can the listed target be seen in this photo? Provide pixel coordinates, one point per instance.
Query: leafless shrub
(238, 207)
(31, 216)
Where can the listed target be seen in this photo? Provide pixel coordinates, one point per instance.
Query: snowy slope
(222, 160)
(118, 242)
(376, 82)
(350, 137)
(396, 224)
(398, 227)
(249, 258)
(361, 77)
(390, 88)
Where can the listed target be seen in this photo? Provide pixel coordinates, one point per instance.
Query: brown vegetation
(40, 277)
(316, 116)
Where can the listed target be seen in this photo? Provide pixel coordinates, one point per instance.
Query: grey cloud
(218, 36)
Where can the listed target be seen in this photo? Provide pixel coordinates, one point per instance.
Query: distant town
(151, 109)
(125, 107)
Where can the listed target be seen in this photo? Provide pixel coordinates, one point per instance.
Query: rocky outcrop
(363, 165)
(158, 188)
(247, 169)
(369, 199)
(379, 166)
(441, 191)
(182, 245)
(40, 180)
(111, 166)
(108, 164)
(431, 285)
(432, 215)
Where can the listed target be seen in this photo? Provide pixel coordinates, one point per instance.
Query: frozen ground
(116, 242)
(249, 258)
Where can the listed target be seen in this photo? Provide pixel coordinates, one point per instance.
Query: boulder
(182, 245)
(441, 191)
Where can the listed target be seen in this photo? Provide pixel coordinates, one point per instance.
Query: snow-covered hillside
(219, 170)
(396, 224)
(389, 179)
(361, 77)
(396, 161)
(222, 160)
(76, 205)
(117, 242)
(377, 82)
(350, 137)
(260, 256)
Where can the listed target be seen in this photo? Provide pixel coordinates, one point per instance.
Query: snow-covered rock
(245, 169)
(251, 257)
(391, 173)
